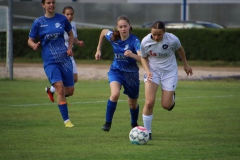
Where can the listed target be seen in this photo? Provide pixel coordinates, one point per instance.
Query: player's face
(69, 14)
(49, 6)
(123, 27)
(157, 34)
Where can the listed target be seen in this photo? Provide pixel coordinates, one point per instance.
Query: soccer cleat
(134, 125)
(69, 124)
(173, 103)
(50, 94)
(150, 136)
(106, 127)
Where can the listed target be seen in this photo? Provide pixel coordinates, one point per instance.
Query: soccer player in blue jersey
(68, 11)
(57, 64)
(124, 70)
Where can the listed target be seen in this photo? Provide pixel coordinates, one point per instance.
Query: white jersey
(161, 55)
(74, 30)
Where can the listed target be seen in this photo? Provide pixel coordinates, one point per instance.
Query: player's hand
(149, 76)
(128, 53)
(70, 52)
(36, 45)
(188, 70)
(81, 43)
(98, 55)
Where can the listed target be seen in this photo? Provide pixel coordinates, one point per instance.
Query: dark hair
(158, 25)
(116, 34)
(43, 1)
(67, 7)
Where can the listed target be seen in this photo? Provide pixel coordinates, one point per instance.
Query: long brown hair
(116, 34)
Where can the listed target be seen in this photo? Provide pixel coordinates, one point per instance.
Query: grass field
(205, 124)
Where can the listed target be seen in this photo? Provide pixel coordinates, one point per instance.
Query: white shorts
(168, 79)
(74, 66)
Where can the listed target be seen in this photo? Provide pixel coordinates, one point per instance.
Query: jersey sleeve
(108, 35)
(143, 52)
(176, 43)
(137, 44)
(68, 26)
(74, 29)
(34, 30)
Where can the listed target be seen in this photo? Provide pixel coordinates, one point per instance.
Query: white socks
(147, 121)
(52, 89)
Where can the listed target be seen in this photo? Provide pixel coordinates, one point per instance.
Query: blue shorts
(129, 81)
(56, 72)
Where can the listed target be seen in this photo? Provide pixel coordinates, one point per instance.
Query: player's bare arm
(78, 42)
(187, 68)
(32, 44)
(100, 42)
(144, 61)
(129, 53)
(70, 43)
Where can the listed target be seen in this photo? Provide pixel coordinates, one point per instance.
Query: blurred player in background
(124, 70)
(68, 11)
(159, 62)
(57, 64)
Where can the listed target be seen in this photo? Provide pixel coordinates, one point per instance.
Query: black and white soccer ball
(139, 135)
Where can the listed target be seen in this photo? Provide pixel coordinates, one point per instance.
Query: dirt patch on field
(99, 71)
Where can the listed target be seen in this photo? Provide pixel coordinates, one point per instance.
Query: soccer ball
(139, 135)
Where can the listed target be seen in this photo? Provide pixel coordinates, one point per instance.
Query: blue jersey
(51, 34)
(121, 62)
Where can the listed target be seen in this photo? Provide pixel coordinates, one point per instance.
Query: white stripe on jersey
(161, 55)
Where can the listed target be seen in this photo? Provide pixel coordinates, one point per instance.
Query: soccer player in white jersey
(124, 70)
(57, 64)
(159, 62)
(68, 11)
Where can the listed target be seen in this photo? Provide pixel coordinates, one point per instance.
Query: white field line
(94, 102)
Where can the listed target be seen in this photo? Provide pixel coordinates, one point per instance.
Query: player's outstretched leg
(173, 103)
(63, 108)
(111, 107)
(134, 116)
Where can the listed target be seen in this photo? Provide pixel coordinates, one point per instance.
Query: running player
(68, 11)
(124, 70)
(57, 64)
(159, 61)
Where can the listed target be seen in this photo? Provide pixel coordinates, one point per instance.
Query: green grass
(205, 123)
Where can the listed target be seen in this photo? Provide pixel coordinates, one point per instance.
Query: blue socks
(64, 111)
(111, 107)
(134, 115)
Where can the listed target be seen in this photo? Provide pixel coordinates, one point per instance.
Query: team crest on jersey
(165, 46)
(126, 47)
(57, 25)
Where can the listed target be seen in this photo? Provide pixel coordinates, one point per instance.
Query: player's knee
(149, 104)
(114, 97)
(168, 106)
(69, 91)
